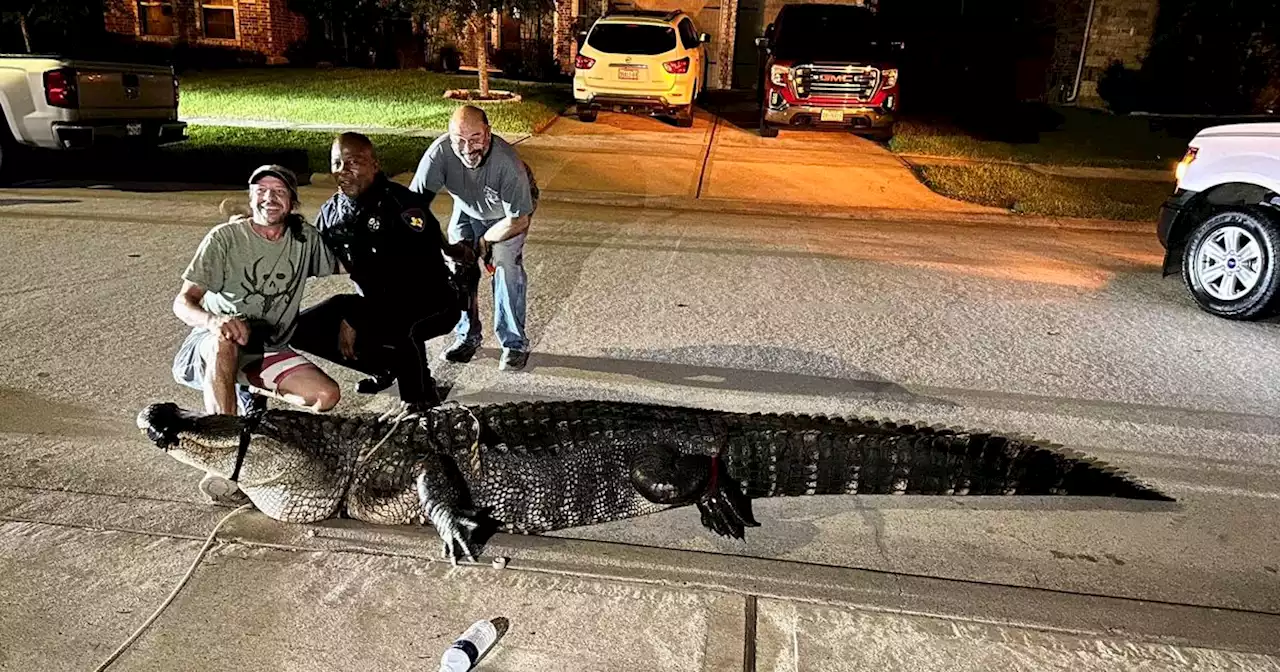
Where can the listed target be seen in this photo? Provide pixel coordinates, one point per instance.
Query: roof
(642, 14)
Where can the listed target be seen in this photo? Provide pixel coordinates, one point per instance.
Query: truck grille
(837, 81)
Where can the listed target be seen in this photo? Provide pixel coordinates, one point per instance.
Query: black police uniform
(390, 243)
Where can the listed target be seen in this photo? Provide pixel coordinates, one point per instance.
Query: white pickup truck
(1221, 226)
(60, 104)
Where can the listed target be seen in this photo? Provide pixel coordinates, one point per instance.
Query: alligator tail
(793, 455)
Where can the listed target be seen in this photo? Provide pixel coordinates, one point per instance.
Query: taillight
(677, 67)
(583, 62)
(60, 87)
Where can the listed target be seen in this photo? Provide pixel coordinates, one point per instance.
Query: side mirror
(704, 38)
(762, 43)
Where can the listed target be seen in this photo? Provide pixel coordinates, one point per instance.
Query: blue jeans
(509, 284)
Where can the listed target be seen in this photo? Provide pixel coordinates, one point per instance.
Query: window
(632, 38)
(218, 17)
(688, 35)
(155, 17)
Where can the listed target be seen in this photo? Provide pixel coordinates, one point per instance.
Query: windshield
(830, 33)
(645, 39)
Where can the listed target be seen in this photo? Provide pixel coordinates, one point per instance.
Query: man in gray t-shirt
(493, 197)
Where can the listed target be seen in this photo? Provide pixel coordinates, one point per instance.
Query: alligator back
(562, 464)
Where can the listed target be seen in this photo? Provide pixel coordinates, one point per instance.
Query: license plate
(133, 129)
(629, 73)
(832, 115)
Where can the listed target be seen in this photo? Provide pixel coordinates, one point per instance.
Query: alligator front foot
(725, 509)
(439, 500)
(455, 530)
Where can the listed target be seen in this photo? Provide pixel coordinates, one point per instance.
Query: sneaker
(461, 351)
(513, 360)
(248, 402)
(375, 384)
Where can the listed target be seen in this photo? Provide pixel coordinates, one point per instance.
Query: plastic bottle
(468, 648)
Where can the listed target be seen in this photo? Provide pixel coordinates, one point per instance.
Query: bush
(1121, 88)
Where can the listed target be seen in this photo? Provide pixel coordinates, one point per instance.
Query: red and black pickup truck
(828, 66)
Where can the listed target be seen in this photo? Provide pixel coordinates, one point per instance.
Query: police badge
(415, 218)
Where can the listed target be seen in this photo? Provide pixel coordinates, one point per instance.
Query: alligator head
(207, 442)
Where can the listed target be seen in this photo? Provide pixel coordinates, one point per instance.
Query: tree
(476, 18)
(53, 21)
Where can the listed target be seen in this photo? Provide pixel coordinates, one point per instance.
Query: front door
(746, 57)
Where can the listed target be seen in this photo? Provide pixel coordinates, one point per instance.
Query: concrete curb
(723, 206)
(1060, 170)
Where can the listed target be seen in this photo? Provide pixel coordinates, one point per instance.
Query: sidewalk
(85, 570)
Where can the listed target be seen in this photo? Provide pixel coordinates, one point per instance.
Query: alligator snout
(161, 423)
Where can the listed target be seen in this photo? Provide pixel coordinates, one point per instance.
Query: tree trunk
(482, 52)
(26, 36)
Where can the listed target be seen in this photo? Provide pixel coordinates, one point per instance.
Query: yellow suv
(638, 60)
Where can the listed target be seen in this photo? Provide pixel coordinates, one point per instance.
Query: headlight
(889, 78)
(1185, 162)
(778, 75)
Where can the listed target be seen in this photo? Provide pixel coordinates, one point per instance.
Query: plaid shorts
(262, 370)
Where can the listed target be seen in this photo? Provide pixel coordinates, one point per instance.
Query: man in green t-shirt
(240, 295)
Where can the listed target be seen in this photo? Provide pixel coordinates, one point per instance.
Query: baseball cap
(283, 174)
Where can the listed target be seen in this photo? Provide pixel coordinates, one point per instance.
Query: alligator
(535, 467)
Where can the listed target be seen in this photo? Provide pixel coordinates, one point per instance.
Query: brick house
(1101, 30)
(1117, 29)
(1105, 30)
(265, 27)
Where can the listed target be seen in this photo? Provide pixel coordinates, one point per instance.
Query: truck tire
(587, 116)
(684, 117)
(8, 154)
(1230, 263)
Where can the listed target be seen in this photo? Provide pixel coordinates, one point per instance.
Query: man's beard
(470, 159)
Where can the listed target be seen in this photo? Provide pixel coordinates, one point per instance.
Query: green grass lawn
(385, 98)
(1085, 138)
(1024, 190)
(238, 150)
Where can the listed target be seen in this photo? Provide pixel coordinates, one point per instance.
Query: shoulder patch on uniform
(415, 218)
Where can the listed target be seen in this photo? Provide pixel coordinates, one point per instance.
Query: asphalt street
(1069, 336)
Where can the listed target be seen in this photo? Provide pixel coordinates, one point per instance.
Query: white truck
(1221, 226)
(64, 104)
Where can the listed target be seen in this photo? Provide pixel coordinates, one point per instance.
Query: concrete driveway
(723, 158)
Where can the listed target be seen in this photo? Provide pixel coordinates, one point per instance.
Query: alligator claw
(725, 509)
(455, 531)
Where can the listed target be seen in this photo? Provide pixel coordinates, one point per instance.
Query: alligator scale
(537, 467)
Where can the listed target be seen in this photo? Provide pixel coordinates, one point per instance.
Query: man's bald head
(469, 115)
(354, 163)
(469, 135)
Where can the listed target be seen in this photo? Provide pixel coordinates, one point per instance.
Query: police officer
(385, 236)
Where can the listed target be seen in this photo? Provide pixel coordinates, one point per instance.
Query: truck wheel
(1230, 263)
(8, 154)
(883, 134)
(684, 117)
(768, 130)
(587, 116)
